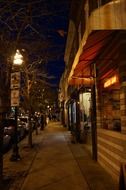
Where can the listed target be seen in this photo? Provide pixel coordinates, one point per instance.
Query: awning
(96, 43)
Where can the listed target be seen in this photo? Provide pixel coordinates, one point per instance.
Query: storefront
(72, 115)
(85, 116)
(110, 103)
(79, 116)
(72, 118)
(111, 109)
(102, 67)
(109, 137)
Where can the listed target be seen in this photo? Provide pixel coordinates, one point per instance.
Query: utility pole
(93, 116)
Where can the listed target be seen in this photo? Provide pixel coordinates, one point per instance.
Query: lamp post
(15, 95)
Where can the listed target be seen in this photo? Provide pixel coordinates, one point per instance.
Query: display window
(85, 107)
(70, 119)
(74, 113)
(110, 104)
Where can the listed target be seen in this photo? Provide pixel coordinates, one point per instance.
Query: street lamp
(15, 95)
(18, 58)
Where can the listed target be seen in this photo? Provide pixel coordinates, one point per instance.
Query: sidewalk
(55, 164)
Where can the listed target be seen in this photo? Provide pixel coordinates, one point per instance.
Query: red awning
(95, 44)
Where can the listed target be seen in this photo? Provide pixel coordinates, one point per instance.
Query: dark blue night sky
(39, 27)
(55, 69)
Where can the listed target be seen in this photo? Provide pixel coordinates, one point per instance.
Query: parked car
(25, 122)
(9, 126)
(9, 129)
(6, 143)
(21, 130)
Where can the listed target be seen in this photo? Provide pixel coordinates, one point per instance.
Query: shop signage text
(111, 81)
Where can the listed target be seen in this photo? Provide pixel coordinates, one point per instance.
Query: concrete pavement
(56, 164)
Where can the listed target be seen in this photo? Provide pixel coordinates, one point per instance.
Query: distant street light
(15, 88)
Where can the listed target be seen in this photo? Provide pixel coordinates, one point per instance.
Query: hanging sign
(111, 81)
(15, 80)
(14, 97)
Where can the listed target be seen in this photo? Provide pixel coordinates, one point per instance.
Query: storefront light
(111, 81)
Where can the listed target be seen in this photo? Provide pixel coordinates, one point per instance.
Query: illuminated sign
(15, 80)
(110, 81)
(15, 97)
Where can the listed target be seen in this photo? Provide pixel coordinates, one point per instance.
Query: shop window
(85, 107)
(110, 109)
(69, 112)
(74, 112)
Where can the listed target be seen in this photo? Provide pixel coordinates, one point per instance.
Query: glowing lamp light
(111, 81)
(18, 58)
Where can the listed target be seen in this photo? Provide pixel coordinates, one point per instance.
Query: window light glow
(110, 81)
